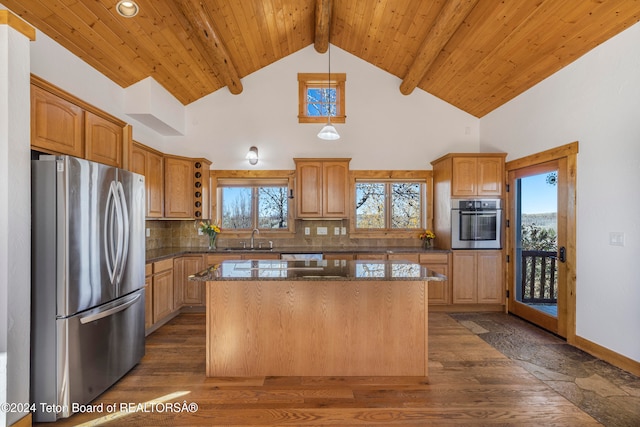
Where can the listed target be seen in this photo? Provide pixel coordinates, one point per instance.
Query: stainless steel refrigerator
(88, 256)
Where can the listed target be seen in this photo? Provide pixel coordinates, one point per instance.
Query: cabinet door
(154, 181)
(149, 164)
(335, 189)
(309, 186)
(489, 266)
(103, 140)
(148, 303)
(162, 294)
(191, 292)
(464, 286)
(439, 291)
(178, 182)
(490, 173)
(56, 124)
(465, 175)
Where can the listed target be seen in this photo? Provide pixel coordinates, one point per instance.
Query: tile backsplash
(185, 234)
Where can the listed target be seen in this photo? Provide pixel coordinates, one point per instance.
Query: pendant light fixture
(328, 132)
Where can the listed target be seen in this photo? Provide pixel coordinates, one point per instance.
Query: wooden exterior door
(532, 269)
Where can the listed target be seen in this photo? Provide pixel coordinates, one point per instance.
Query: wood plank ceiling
(474, 54)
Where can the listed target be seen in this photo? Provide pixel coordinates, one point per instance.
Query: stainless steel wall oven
(476, 224)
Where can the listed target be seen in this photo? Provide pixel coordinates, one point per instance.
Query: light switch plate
(616, 238)
(307, 231)
(148, 232)
(344, 231)
(321, 231)
(336, 231)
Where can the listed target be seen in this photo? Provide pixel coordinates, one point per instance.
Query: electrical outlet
(148, 232)
(200, 232)
(344, 231)
(321, 231)
(336, 231)
(307, 231)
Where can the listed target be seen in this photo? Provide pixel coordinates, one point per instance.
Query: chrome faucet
(255, 230)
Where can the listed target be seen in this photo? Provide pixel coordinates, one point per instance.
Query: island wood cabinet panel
(56, 124)
(322, 188)
(477, 277)
(185, 291)
(149, 163)
(477, 176)
(103, 140)
(439, 292)
(178, 187)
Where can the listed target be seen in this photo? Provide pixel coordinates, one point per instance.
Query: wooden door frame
(567, 197)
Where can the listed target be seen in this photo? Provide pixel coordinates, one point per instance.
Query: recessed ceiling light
(128, 9)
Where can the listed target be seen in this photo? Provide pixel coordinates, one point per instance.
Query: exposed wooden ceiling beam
(323, 25)
(195, 11)
(449, 19)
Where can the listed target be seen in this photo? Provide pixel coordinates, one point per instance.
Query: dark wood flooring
(470, 383)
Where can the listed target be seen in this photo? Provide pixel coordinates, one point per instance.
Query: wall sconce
(252, 156)
(128, 9)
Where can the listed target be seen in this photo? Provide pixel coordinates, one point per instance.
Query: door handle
(562, 254)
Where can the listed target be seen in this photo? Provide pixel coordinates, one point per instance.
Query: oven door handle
(478, 212)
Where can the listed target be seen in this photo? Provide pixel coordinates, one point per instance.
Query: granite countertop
(153, 255)
(341, 270)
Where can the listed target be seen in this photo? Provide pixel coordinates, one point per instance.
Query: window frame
(321, 80)
(238, 178)
(422, 177)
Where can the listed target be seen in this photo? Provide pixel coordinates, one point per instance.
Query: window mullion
(387, 207)
(254, 206)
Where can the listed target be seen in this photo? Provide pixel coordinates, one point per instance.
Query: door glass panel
(537, 242)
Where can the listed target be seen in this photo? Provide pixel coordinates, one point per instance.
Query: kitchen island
(316, 318)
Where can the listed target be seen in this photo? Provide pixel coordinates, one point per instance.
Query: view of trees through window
(539, 242)
(383, 205)
(321, 102)
(262, 207)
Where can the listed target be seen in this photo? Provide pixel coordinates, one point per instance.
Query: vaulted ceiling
(473, 54)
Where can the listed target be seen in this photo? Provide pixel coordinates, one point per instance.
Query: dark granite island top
(316, 318)
(343, 270)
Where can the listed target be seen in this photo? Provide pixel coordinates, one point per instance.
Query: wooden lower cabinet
(188, 292)
(148, 302)
(162, 295)
(439, 292)
(477, 277)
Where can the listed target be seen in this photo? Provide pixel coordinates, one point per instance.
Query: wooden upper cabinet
(149, 163)
(64, 124)
(309, 189)
(477, 176)
(178, 187)
(56, 124)
(322, 188)
(103, 140)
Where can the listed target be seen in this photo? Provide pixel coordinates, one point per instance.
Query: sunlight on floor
(132, 408)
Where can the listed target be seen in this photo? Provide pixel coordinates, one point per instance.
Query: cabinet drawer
(148, 269)
(165, 264)
(434, 258)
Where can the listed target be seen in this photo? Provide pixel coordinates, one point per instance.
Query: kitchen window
(248, 204)
(390, 205)
(319, 97)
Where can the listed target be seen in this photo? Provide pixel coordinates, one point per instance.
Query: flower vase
(427, 243)
(212, 241)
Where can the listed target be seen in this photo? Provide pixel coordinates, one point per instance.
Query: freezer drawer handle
(110, 311)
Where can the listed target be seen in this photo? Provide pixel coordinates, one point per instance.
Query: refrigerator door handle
(113, 232)
(110, 311)
(123, 234)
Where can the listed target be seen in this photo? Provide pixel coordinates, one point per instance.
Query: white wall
(596, 101)
(15, 222)
(384, 129)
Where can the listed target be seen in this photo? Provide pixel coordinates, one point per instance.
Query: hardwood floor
(470, 383)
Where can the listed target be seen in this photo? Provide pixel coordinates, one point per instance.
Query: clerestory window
(319, 97)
